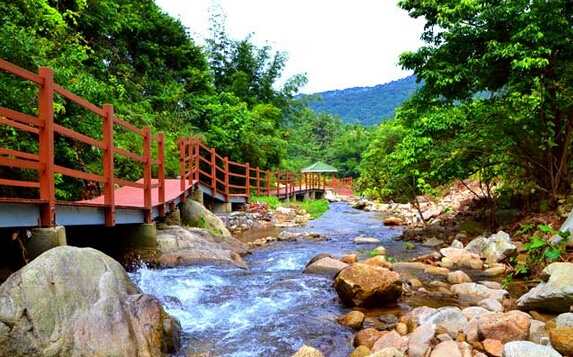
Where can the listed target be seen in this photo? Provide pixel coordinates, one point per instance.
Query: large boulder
(367, 285)
(555, 293)
(561, 333)
(528, 349)
(510, 326)
(327, 266)
(194, 214)
(450, 319)
(80, 302)
(460, 258)
(179, 246)
(420, 340)
(473, 293)
(493, 249)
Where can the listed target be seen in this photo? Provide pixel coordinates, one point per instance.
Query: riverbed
(272, 308)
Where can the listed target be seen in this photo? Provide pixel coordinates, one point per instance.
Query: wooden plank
(21, 164)
(78, 136)
(78, 174)
(161, 173)
(16, 183)
(182, 173)
(19, 154)
(237, 175)
(46, 147)
(108, 165)
(147, 174)
(130, 155)
(20, 72)
(128, 183)
(78, 100)
(21, 117)
(17, 125)
(128, 126)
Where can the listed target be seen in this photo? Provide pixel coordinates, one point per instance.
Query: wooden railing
(45, 128)
(198, 164)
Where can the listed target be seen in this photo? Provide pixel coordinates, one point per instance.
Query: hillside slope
(365, 105)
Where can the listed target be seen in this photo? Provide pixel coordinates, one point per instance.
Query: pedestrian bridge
(202, 171)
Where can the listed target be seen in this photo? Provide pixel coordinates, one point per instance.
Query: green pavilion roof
(319, 167)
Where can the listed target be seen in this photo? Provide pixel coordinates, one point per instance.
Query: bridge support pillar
(222, 207)
(141, 236)
(197, 195)
(312, 195)
(43, 239)
(173, 218)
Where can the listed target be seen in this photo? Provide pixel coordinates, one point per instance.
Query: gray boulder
(555, 293)
(528, 349)
(494, 249)
(80, 302)
(194, 214)
(449, 318)
(327, 266)
(180, 246)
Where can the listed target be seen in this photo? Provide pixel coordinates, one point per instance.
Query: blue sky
(337, 43)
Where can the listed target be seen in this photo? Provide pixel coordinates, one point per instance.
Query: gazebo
(313, 174)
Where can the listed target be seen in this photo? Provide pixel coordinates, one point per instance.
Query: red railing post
(278, 183)
(46, 148)
(147, 174)
(196, 172)
(213, 172)
(268, 179)
(226, 178)
(191, 148)
(108, 165)
(258, 181)
(182, 160)
(248, 179)
(161, 172)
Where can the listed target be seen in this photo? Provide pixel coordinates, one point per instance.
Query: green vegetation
(315, 208)
(495, 105)
(271, 201)
(365, 106)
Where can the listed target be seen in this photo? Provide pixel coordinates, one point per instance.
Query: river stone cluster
(80, 302)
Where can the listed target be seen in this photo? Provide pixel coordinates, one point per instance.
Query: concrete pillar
(197, 195)
(140, 236)
(306, 196)
(312, 195)
(173, 218)
(43, 239)
(222, 207)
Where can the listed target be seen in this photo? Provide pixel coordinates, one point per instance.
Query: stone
(473, 293)
(367, 337)
(361, 351)
(318, 257)
(495, 270)
(79, 302)
(471, 330)
(474, 311)
(420, 340)
(387, 322)
(379, 261)
(366, 240)
(181, 246)
(555, 293)
(537, 332)
(446, 349)
(498, 247)
(449, 319)
(493, 347)
(491, 305)
(528, 349)
(510, 326)
(393, 221)
(457, 244)
(458, 277)
(433, 270)
(194, 214)
(492, 284)
(367, 285)
(402, 328)
(380, 250)
(460, 258)
(391, 339)
(349, 258)
(306, 351)
(415, 283)
(561, 333)
(388, 352)
(327, 267)
(421, 314)
(353, 319)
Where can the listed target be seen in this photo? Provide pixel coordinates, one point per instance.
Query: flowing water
(272, 308)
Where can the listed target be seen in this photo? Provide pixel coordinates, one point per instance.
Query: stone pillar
(173, 218)
(141, 236)
(197, 195)
(43, 239)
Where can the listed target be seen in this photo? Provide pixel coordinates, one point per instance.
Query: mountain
(365, 105)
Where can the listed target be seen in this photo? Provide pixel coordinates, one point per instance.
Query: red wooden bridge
(123, 201)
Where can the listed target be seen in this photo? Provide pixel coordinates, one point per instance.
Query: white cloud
(338, 43)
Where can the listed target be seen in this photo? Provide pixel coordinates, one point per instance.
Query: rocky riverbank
(450, 305)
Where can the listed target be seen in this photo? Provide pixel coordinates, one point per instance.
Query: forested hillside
(365, 105)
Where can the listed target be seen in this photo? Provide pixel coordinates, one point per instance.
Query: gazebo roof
(319, 167)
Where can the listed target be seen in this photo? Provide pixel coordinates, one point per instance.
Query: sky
(337, 43)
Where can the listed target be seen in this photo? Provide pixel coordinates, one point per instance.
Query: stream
(272, 309)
